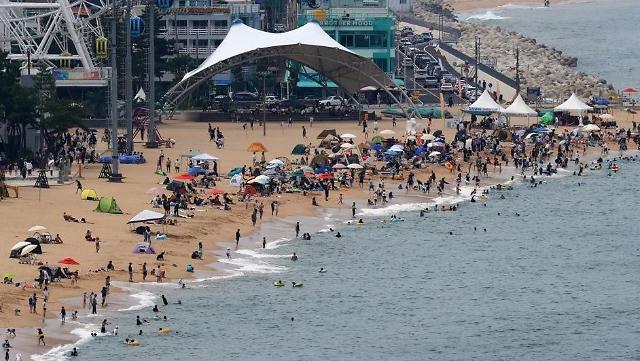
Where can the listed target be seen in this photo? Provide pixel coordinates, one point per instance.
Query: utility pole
(115, 175)
(477, 54)
(128, 87)
(264, 74)
(518, 70)
(151, 129)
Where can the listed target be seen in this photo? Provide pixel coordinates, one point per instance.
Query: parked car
(245, 97)
(446, 87)
(429, 81)
(271, 100)
(332, 101)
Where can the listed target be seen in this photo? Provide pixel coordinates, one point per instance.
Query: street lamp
(263, 74)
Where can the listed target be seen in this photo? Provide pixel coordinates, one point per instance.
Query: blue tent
(377, 147)
(420, 150)
(321, 170)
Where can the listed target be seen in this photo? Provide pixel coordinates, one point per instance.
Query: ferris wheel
(60, 33)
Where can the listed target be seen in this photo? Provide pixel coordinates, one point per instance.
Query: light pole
(264, 74)
(115, 176)
(151, 129)
(128, 90)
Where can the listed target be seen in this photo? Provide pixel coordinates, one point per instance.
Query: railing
(202, 51)
(182, 31)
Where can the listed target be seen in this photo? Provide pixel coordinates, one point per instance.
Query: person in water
(155, 308)
(338, 235)
(294, 257)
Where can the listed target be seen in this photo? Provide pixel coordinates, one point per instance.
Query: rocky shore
(540, 65)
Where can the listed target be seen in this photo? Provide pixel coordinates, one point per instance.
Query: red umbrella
(630, 90)
(69, 261)
(325, 176)
(215, 191)
(185, 176)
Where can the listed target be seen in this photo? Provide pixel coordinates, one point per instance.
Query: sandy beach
(213, 227)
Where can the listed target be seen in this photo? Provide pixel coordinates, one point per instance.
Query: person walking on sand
(63, 314)
(41, 337)
(353, 210)
(237, 237)
(340, 199)
(78, 186)
(144, 271)
(297, 229)
(130, 272)
(304, 132)
(97, 242)
(228, 253)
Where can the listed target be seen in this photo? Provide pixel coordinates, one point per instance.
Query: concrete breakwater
(540, 65)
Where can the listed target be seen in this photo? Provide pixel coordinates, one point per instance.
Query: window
(217, 42)
(378, 39)
(346, 39)
(200, 24)
(220, 24)
(403, 2)
(361, 41)
(181, 23)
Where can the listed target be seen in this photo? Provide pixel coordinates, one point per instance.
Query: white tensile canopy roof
(485, 103)
(146, 216)
(573, 104)
(205, 157)
(519, 108)
(309, 45)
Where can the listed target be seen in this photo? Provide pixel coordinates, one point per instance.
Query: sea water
(554, 277)
(602, 34)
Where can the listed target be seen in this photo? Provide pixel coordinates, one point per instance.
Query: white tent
(573, 104)
(204, 157)
(146, 216)
(485, 103)
(309, 45)
(519, 108)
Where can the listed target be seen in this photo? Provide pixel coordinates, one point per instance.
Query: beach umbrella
(277, 162)
(434, 154)
(185, 176)
(347, 146)
(377, 147)
(387, 133)
(411, 137)
(397, 148)
(261, 179)
(606, 116)
(69, 261)
(215, 191)
(590, 128)
(306, 169)
(256, 147)
(204, 157)
(347, 136)
(37, 229)
(354, 166)
(19, 245)
(234, 171)
(629, 90)
(28, 249)
(339, 166)
(428, 137)
(324, 176)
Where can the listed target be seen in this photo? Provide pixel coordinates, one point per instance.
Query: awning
(146, 216)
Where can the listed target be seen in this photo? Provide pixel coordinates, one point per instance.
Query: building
(365, 26)
(279, 15)
(400, 6)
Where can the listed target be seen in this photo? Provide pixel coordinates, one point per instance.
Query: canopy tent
(519, 108)
(108, 205)
(37, 229)
(29, 245)
(299, 149)
(573, 104)
(547, 118)
(325, 133)
(146, 216)
(89, 194)
(204, 157)
(485, 103)
(309, 45)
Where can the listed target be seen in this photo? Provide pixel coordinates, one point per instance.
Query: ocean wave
(62, 352)
(489, 15)
(145, 299)
(277, 243)
(254, 254)
(521, 6)
(250, 265)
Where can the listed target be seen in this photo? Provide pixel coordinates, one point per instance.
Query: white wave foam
(520, 6)
(250, 265)
(277, 243)
(254, 254)
(213, 278)
(489, 15)
(62, 352)
(145, 300)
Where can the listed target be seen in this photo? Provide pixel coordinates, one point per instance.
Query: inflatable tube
(483, 197)
(297, 284)
(133, 343)
(163, 331)
(278, 284)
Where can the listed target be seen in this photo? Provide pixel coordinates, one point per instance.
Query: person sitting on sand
(69, 218)
(88, 237)
(58, 239)
(110, 266)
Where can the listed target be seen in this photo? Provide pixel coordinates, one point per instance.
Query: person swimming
(294, 257)
(322, 270)
(155, 309)
(338, 235)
